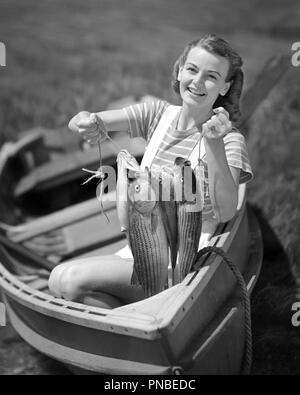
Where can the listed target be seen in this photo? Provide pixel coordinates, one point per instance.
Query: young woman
(209, 79)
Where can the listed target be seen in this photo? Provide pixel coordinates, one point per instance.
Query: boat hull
(198, 325)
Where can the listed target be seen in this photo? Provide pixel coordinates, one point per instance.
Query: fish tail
(169, 216)
(189, 232)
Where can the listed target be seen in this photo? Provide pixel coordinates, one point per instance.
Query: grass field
(66, 56)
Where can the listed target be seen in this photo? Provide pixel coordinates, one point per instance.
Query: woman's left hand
(218, 125)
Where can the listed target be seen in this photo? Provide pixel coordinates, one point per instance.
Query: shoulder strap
(195, 153)
(167, 117)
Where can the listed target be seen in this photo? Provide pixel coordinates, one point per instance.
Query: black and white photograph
(149, 190)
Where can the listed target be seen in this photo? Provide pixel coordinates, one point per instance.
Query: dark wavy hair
(218, 46)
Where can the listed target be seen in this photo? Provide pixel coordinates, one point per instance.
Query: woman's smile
(196, 92)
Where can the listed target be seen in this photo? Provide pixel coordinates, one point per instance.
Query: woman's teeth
(196, 93)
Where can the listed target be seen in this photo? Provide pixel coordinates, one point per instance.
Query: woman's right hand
(89, 126)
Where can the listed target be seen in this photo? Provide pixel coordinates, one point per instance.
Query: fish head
(140, 192)
(128, 161)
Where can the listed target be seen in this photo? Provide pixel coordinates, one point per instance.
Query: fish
(147, 236)
(169, 217)
(168, 207)
(182, 214)
(125, 162)
(189, 218)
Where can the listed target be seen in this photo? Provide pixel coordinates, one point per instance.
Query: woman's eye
(213, 76)
(137, 188)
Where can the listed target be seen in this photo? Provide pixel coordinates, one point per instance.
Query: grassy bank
(274, 142)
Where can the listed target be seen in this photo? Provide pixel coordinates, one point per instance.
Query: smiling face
(203, 78)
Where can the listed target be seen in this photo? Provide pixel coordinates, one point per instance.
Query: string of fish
(99, 173)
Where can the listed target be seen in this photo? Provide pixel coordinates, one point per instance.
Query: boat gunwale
(141, 325)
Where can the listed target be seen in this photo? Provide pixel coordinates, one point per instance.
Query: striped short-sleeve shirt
(143, 119)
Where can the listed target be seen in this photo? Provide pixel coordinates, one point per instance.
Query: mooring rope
(247, 359)
(179, 369)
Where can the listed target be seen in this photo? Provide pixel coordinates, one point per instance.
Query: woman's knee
(70, 283)
(64, 282)
(53, 282)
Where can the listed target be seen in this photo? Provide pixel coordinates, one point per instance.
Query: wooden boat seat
(64, 233)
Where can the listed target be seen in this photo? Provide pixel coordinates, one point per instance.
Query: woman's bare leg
(108, 274)
(54, 279)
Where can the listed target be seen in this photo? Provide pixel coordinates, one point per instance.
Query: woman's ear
(226, 88)
(179, 74)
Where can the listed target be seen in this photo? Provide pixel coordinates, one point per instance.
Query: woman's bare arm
(223, 180)
(93, 126)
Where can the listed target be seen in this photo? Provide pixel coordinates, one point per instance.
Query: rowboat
(195, 327)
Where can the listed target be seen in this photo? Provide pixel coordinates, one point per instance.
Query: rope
(176, 369)
(247, 360)
(101, 129)
(100, 175)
